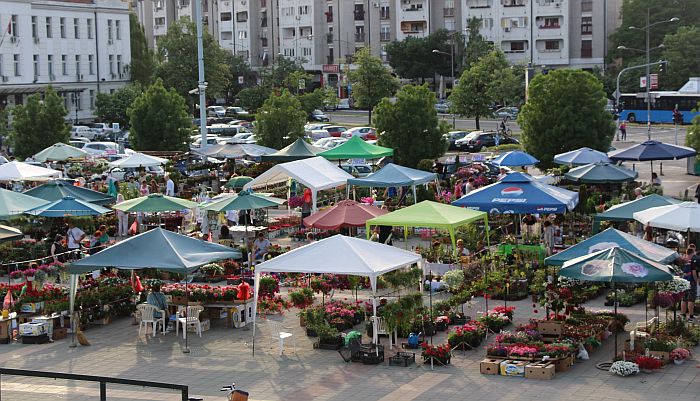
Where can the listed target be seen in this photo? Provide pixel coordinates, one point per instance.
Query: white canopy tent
(138, 160)
(15, 170)
(339, 255)
(315, 173)
(679, 217)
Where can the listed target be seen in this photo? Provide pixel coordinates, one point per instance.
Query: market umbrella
(238, 182)
(15, 170)
(650, 151)
(57, 189)
(515, 158)
(299, 149)
(625, 211)
(8, 233)
(356, 148)
(615, 265)
(13, 203)
(347, 213)
(68, 206)
(235, 151)
(601, 173)
(245, 200)
(155, 203)
(59, 152)
(683, 217)
(581, 157)
(138, 160)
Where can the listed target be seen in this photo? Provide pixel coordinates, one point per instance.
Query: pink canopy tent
(347, 213)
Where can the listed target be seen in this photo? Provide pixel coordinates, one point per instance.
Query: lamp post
(452, 65)
(646, 29)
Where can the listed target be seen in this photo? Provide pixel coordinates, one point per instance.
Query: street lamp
(452, 65)
(646, 28)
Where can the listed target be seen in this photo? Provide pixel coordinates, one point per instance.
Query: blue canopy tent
(580, 157)
(393, 175)
(625, 211)
(650, 151)
(612, 238)
(519, 193)
(515, 158)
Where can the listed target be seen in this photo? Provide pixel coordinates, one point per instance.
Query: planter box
(512, 368)
(327, 346)
(490, 366)
(663, 355)
(179, 300)
(551, 327)
(42, 339)
(540, 370)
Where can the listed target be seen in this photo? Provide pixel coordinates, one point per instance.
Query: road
(675, 180)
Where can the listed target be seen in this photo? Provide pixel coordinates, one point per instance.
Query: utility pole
(202, 84)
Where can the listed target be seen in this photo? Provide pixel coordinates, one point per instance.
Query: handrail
(103, 380)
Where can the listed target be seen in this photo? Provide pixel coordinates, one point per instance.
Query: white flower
(675, 286)
(624, 368)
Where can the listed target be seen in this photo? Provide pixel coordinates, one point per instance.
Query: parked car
(477, 140)
(329, 142)
(216, 111)
(78, 142)
(236, 111)
(343, 104)
(121, 173)
(510, 113)
(243, 137)
(101, 130)
(357, 170)
(82, 131)
(366, 133)
(211, 140)
(442, 107)
(335, 130)
(452, 136)
(314, 126)
(317, 115)
(242, 123)
(104, 148)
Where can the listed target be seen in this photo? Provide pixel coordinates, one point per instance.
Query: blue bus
(633, 106)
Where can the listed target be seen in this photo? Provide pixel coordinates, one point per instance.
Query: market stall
(601, 173)
(58, 189)
(59, 152)
(580, 157)
(357, 148)
(344, 214)
(298, 150)
(395, 176)
(15, 170)
(138, 160)
(625, 211)
(13, 203)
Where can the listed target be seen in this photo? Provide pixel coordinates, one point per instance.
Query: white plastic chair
(281, 333)
(379, 325)
(190, 318)
(147, 317)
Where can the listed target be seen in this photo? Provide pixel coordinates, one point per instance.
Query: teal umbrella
(625, 211)
(58, 189)
(601, 173)
(13, 203)
(245, 200)
(69, 206)
(238, 182)
(9, 233)
(59, 152)
(155, 203)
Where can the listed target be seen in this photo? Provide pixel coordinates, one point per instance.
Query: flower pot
(678, 361)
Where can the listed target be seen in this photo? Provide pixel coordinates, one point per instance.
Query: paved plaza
(223, 355)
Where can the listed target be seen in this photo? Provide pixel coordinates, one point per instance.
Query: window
(89, 28)
(62, 27)
(550, 22)
(331, 57)
(263, 3)
(35, 58)
(224, 17)
(76, 28)
(449, 10)
(450, 24)
(77, 64)
(158, 5)
(360, 33)
(586, 5)
(385, 12)
(385, 33)
(512, 3)
(359, 12)
(486, 23)
(329, 15)
(479, 3)
(119, 64)
(288, 52)
(303, 10)
(64, 64)
(517, 22)
(263, 19)
(15, 60)
(92, 99)
(109, 29)
(49, 65)
(586, 48)
(77, 99)
(160, 21)
(111, 65)
(49, 33)
(517, 47)
(586, 25)
(118, 29)
(288, 11)
(91, 64)
(306, 51)
(242, 16)
(14, 32)
(35, 29)
(551, 45)
(243, 34)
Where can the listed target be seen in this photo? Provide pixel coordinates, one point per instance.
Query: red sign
(654, 81)
(331, 68)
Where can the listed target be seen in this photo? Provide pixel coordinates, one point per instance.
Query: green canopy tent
(60, 152)
(625, 211)
(238, 182)
(14, 203)
(57, 190)
(155, 203)
(430, 214)
(298, 150)
(356, 148)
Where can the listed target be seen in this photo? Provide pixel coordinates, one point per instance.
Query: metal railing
(184, 390)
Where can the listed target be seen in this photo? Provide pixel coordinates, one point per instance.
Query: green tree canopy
(410, 125)
(280, 121)
(477, 45)
(113, 107)
(142, 57)
(253, 98)
(553, 121)
(159, 119)
(311, 101)
(38, 124)
(681, 65)
(371, 81)
(692, 139)
(413, 58)
(178, 52)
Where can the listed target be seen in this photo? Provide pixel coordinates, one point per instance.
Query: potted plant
(679, 355)
(624, 368)
(438, 353)
(212, 269)
(301, 298)
(648, 364)
(328, 337)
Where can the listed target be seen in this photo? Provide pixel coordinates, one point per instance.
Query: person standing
(470, 186)
(169, 186)
(548, 236)
(690, 273)
(74, 236)
(306, 206)
(122, 219)
(623, 130)
(144, 190)
(57, 249)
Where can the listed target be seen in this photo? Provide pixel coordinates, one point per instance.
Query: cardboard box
(59, 333)
(540, 370)
(206, 325)
(512, 368)
(32, 329)
(663, 355)
(551, 327)
(32, 307)
(564, 363)
(490, 366)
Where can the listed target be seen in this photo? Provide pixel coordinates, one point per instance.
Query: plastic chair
(147, 317)
(281, 333)
(191, 318)
(379, 325)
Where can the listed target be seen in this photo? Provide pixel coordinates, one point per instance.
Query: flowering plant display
(471, 333)
(301, 298)
(523, 350)
(367, 200)
(495, 321)
(649, 363)
(680, 354)
(213, 269)
(506, 310)
(454, 279)
(269, 286)
(441, 353)
(518, 337)
(624, 368)
(201, 293)
(272, 305)
(675, 286)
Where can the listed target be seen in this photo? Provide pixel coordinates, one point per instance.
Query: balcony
(448, 12)
(329, 16)
(329, 39)
(359, 15)
(360, 37)
(385, 37)
(513, 3)
(384, 14)
(413, 26)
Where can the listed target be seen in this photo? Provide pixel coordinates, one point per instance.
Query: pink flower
(634, 269)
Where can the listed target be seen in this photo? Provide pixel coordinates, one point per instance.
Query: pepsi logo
(512, 191)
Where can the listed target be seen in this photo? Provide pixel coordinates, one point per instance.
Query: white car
(119, 173)
(343, 104)
(101, 129)
(216, 111)
(81, 131)
(211, 141)
(357, 170)
(104, 148)
(236, 111)
(314, 126)
(243, 137)
(78, 142)
(330, 142)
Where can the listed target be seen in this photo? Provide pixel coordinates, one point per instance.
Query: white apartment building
(79, 47)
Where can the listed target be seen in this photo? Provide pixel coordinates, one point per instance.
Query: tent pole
(256, 282)
(615, 303)
(186, 350)
(415, 199)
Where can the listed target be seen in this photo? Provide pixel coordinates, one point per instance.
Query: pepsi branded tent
(519, 193)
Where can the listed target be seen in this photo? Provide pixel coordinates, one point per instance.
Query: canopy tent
(246, 200)
(13, 203)
(601, 173)
(610, 238)
(625, 211)
(138, 160)
(519, 193)
(679, 217)
(238, 182)
(15, 170)
(339, 255)
(315, 173)
(393, 175)
(580, 157)
(235, 151)
(8, 233)
(155, 203)
(650, 151)
(347, 213)
(59, 152)
(57, 189)
(430, 215)
(68, 206)
(298, 150)
(515, 158)
(356, 148)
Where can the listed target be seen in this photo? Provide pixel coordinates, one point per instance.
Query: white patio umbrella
(683, 217)
(138, 160)
(15, 170)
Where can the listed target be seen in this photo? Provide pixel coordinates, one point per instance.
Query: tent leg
(185, 350)
(615, 303)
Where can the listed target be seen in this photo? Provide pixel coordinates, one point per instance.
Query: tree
(477, 46)
(4, 122)
(298, 81)
(159, 119)
(486, 82)
(178, 50)
(113, 107)
(142, 58)
(410, 126)
(330, 96)
(311, 101)
(679, 46)
(280, 121)
(38, 123)
(371, 81)
(413, 58)
(692, 139)
(277, 76)
(553, 121)
(253, 98)
(239, 68)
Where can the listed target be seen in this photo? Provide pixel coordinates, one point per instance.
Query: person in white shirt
(470, 185)
(501, 174)
(260, 246)
(169, 186)
(74, 236)
(122, 219)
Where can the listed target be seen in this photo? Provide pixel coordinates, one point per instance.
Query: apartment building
(79, 47)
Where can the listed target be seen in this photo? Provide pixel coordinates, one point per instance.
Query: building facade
(79, 47)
